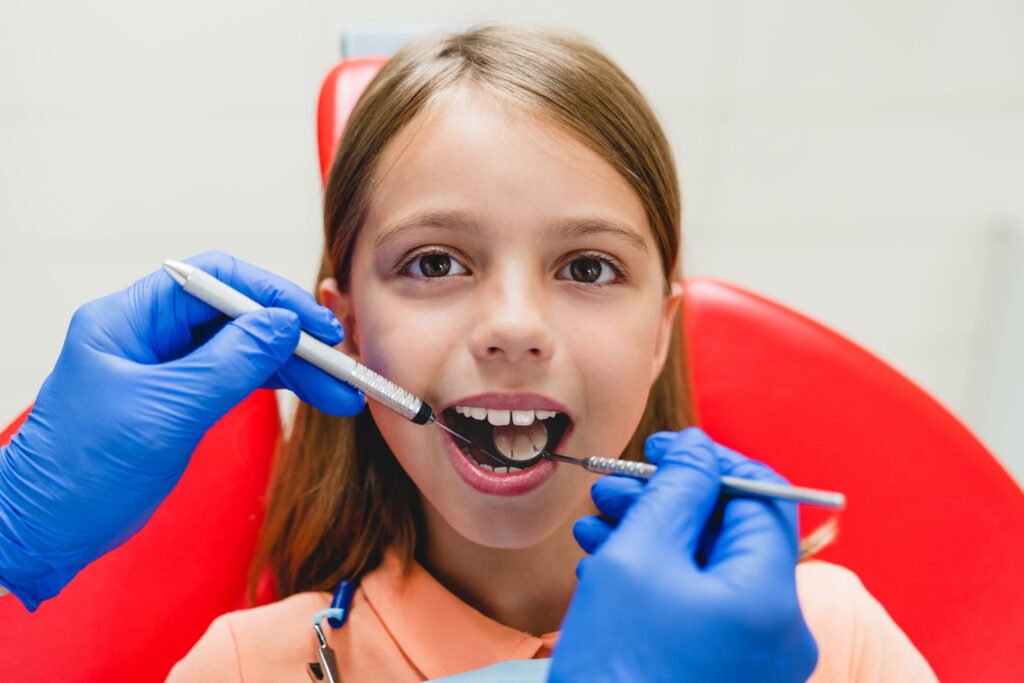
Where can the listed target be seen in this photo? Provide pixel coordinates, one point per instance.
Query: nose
(512, 322)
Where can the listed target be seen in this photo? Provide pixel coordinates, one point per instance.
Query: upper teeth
(503, 417)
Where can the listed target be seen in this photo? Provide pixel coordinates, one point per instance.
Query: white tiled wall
(862, 162)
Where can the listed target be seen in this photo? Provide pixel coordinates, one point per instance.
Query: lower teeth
(497, 469)
(500, 470)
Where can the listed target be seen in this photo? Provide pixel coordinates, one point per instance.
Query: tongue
(521, 443)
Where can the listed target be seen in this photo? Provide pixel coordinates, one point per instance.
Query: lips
(501, 482)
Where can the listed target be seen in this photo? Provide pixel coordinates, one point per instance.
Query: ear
(666, 324)
(341, 304)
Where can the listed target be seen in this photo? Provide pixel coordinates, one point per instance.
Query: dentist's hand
(143, 374)
(686, 586)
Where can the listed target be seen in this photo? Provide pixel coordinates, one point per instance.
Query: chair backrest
(133, 613)
(933, 524)
(338, 96)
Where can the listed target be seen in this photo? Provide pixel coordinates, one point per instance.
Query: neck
(526, 589)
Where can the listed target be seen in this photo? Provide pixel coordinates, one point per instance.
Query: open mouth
(519, 435)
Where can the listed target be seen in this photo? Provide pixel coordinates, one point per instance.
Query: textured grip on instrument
(631, 468)
(386, 392)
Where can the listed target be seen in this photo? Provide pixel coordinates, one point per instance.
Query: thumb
(238, 359)
(679, 498)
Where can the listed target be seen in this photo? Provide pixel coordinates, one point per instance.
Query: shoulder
(234, 647)
(857, 639)
(823, 586)
(278, 618)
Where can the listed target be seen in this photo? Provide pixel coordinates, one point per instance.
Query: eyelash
(400, 270)
(617, 268)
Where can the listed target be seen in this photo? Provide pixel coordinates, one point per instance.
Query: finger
(581, 567)
(656, 445)
(591, 532)
(162, 308)
(614, 495)
(678, 498)
(322, 391)
(236, 361)
(762, 534)
(272, 290)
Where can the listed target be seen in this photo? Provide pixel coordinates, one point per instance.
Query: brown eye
(585, 269)
(432, 265)
(593, 269)
(435, 265)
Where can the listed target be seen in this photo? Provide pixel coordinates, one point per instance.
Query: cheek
(410, 345)
(407, 441)
(407, 344)
(614, 356)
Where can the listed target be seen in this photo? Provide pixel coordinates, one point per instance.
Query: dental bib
(512, 671)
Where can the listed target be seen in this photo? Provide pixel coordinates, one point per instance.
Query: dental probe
(233, 303)
(734, 485)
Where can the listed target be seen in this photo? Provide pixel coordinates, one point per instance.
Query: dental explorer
(233, 303)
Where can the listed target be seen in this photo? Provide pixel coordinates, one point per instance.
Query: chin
(508, 535)
(502, 527)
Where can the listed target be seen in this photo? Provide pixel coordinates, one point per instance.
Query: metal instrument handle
(387, 393)
(629, 468)
(730, 484)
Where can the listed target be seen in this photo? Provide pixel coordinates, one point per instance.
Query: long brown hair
(339, 498)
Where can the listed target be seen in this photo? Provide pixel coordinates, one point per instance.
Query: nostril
(493, 350)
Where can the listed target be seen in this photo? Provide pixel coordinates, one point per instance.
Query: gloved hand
(143, 374)
(686, 586)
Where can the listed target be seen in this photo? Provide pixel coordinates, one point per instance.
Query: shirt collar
(439, 633)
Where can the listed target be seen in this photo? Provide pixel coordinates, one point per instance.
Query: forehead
(509, 168)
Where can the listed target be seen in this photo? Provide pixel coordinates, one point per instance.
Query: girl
(502, 239)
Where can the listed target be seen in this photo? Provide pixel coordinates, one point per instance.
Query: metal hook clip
(325, 669)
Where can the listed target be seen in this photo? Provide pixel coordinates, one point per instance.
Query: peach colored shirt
(415, 630)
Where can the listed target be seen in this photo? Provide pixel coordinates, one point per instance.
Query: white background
(859, 161)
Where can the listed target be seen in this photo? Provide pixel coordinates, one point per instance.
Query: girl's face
(504, 266)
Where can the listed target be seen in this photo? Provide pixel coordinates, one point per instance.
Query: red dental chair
(933, 527)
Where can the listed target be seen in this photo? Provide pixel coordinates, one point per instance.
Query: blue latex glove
(686, 586)
(143, 374)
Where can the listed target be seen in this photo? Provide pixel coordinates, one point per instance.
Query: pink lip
(515, 484)
(518, 483)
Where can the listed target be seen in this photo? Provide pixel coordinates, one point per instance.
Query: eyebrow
(458, 221)
(599, 226)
